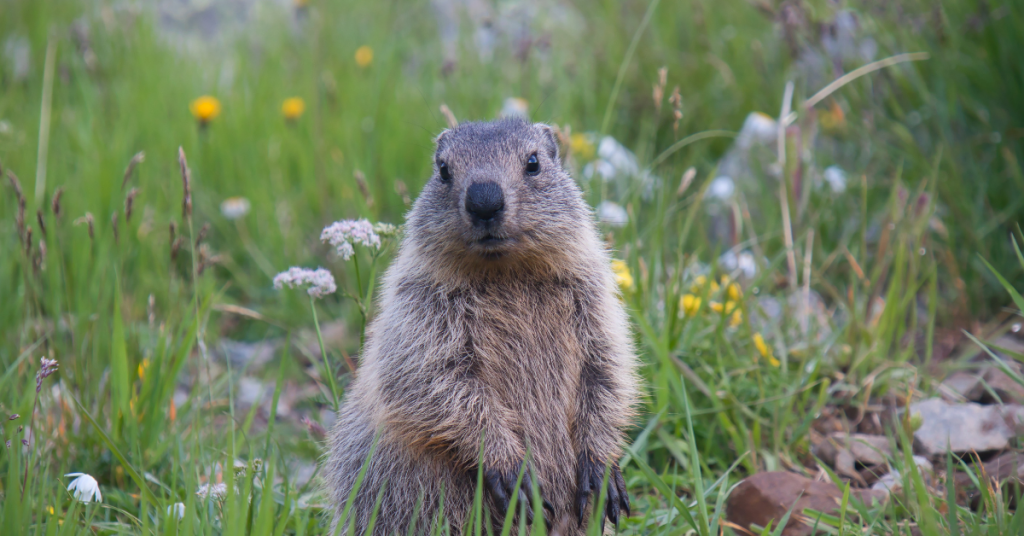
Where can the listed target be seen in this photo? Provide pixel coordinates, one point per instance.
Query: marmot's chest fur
(500, 343)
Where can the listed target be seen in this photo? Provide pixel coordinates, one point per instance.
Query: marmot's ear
(551, 137)
(439, 141)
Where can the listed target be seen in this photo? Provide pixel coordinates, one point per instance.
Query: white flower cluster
(343, 234)
(85, 488)
(320, 281)
(217, 491)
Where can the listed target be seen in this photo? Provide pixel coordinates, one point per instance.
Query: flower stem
(328, 369)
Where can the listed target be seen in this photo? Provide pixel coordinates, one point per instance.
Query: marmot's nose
(484, 200)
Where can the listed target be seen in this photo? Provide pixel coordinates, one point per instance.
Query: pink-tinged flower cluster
(345, 233)
(320, 281)
(46, 368)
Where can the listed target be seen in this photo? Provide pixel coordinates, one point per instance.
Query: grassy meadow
(180, 366)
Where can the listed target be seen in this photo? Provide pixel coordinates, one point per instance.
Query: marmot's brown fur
(499, 319)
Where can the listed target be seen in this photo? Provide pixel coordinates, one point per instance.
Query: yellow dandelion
(716, 307)
(582, 146)
(292, 108)
(690, 304)
(765, 350)
(364, 56)
(736, 318)
(205, 109)
(622, 275)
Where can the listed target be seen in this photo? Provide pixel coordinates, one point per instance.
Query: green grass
(932, 151)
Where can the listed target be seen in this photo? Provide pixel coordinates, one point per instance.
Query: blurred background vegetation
(168, 331)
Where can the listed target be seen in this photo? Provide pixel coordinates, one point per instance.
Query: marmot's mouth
(490, 240)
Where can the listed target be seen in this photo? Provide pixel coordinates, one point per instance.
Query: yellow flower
(700, 282)
(581, 146)
(736, 318)
(733, 292)
(765, 350)
(143, 365)
(205, 109)
(364, 56)
(622, 275)
(690, 304)
(292, 108)
(719, 308)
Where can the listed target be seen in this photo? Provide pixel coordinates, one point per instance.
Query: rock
(1005, 387)
(843, 451)
(962, 385)
(964, 427)
(1006, 467)
(893, 482)
(766, 497)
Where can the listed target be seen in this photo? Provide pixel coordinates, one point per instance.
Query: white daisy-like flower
(235, 207)
(612, 213)
(177, 510)
(345, 233)
(319, 281)
(85, 488)
(217, 491)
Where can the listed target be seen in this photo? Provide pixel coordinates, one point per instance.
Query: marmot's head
(499, 198)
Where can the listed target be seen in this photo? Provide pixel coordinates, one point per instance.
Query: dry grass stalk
(129, 201)
(135, 161)
(113, 226)
(688, 177)
(186, 182)
(39, 261)
(203, 231)
(787, 226)
(806, 305)
(28, 241)
(449, 117)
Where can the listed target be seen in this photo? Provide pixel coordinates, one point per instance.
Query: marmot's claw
(589, 479)
(502, 487)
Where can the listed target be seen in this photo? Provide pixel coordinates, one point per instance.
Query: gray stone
(965, 427)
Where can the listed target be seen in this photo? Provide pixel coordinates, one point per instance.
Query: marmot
(499, 320)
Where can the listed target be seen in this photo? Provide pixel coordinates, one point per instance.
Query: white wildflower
(758, 128)
(836, 178)
(722, 188)
(515, 107)
(177, 510)
(320, 281)
(345, 233)
(85, 488)
(234, 207)
(386, 230)
(612, 214)
(742, 262)
(217, 491)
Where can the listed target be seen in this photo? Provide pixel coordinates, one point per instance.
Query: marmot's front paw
(589, 474)
(502, 486)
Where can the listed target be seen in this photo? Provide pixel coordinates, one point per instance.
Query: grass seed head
(129, 201)
(55, 201)
(88, 220)
(137, 159)
(113, 227)
(186, 183)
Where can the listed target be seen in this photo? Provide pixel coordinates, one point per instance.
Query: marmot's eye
(532, 165)
(446, 174)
